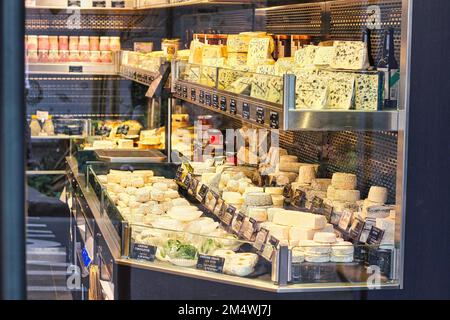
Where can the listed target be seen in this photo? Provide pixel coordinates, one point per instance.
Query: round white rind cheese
(344, 181)
(324, 237)
(378, 194)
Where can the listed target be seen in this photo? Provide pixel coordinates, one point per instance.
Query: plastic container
(115, 44)
(32, 56)
(48, 127)
(43, 56)
(85, 56)
(43, 43)
(106, 57)
(63, 43)
(84, 44)
(32, 43)
(53, 56)
(35, 126)
(95, 57)
(104, 44)
(53, 43)
(94, 43)
(64, 56)
(73, 43)
(74, 56)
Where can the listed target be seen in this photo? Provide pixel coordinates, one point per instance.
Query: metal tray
(131, 156)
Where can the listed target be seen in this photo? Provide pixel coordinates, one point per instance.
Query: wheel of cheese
(331, 193)
(344, 181)
(342, 259)
(258, 199)
(233, 198)
(274, 190)
(347, 195)
(378, 194)
(297, 256)
(240, 269)
(320, 184)
(257, 213)
(317, 258)
(324, 237)
(288, 158)
(313, 247)
(289, 167)
(307, 173)
(278, 200)
(343, 248)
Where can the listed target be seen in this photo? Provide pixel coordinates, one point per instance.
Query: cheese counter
(146, 253)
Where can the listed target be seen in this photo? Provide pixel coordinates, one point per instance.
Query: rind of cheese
(278, 200)
(347, 195)
(378, 194)
(274, 190)
(238, 43)
(290, 166)
(350, 55)
(367, 92)
(304, 57)
(344, 181)
(300, 219)
(288, 158)
(324, 55)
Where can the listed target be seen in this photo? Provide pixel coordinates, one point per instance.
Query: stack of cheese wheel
(342, 252)
(377, 198)
(342, 191)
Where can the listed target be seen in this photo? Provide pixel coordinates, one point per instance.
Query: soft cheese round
(324, 237)
(347, 195)
(378, 194)
(344, 181)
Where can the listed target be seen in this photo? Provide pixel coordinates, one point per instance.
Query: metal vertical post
(12, 152)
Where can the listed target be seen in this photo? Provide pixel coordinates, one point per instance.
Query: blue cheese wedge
(237, 60)
(227, 77)
(367, 92)
(242, 85)
(208, 76)
(324, 55)
(304, 57)
(238, 43)
(259, 50)
(350, 55)
(284, 66)
(341, 88)
(311, 90)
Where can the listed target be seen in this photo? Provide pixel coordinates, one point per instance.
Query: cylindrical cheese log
(347, 195)
(378, 194)
(306, 174)
(344, 181)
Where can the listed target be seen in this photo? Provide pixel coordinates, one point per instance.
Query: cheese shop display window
(245, 144)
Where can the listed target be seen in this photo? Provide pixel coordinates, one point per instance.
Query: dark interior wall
(427, 245)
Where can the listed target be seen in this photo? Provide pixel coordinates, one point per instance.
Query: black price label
(215, 101)
(228, 215)
(287, 191)
(185, 92)
(187, 181)
(233, 106)
(316, 205)
(143, 252)
(327, 211)
(179, 175)
(178, 88)
(208, 99)
(237, 223)
(75, 69)
(246, 111)
(274, 120)
(201, 97)
(223, 104)
(248, 229)
(375, 236)
(299, 198)
(203, 192)
(361, 254)
(261, 239)
(193, 186)
(118, 4)
(260, 115)
(210, 263)
(193, 95)
(98, 4)
(382, 259)
(356, 229)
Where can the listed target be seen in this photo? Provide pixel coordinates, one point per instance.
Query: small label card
(187, 181)
(219, 207)
(211, 200)
(375, 236)
(143, 252)
(179, 175)
(316, 205)
(356, 229)
(99, 4)
(287, 191)
(261, 239)
(228, 215)
(269, 248)
(202, 193)
(248, 229)
(299, 198)
(193, 187)
(237, 222)
(210, 263)
(327, 211)
(344, 222)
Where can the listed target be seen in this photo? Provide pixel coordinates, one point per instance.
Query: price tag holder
(219, 207)
(375, 236)
(74, 3)
(269, 248)
(118, 4)
(246, 111)
(179, 175)
(299, 198)
(344, 221)
(211, 200)
(193, 187)
(316, 205)
(202, 193)
(381, 258)
(187, 181)
(274, 120)
(260, 240)
(233, 107)
(223, 104)
(287, 191)
(228, 215)
(210, 263)
(260, 116)
(248, 229)
(75, 69)
(356, 229)
(237, 223)
(143, 252)
(208, 99)
(215, 101)
(98, 4)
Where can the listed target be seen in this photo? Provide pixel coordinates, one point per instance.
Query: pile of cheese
(342, 193)
(375, 212)
(330, 77)
(291, 227)
(325, 247)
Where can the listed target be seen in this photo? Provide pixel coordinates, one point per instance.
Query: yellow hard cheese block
(237, 60)
(208, 76)
(268, 88)
(196, 52)
(241, 85)
(227, 77)
(238, 43)
(259, 50)
(213, 52)
(284, 66)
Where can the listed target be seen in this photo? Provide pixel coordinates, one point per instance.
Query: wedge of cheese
(214, 52)
(284, 66)
(350, 55)
(367, 92)
(311, 90)
(304, 57)
(237, 60)
(238, 43)
(196, 52)
(323, 56)
(227, 77)
(260, 49)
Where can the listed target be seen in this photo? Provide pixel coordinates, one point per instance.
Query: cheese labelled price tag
(143, 252)
(299, 198)
(98, 4)
(219, 207)
(316, 205)
(233, 106)
(246, 111)
(344, 222)
(187, 181)
(193, 187)
(356, 229)
(260, 240)
(248, 229)
(202, 193)
(237, 223)
(228, 215)
(211, 200)
(210, 263)
(179, 175)
(269, 248)
(375, 236)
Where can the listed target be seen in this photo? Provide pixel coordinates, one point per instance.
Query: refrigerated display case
(319, 141)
